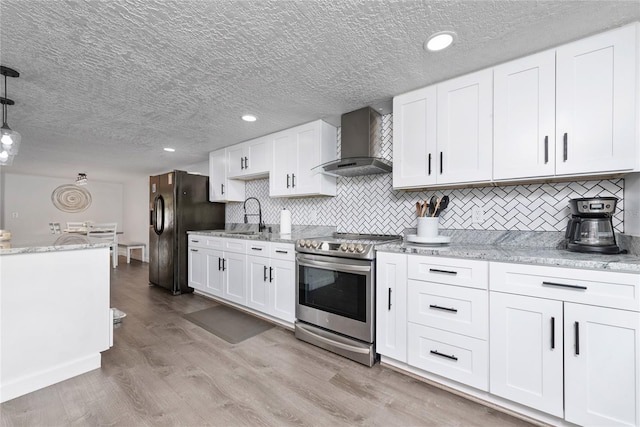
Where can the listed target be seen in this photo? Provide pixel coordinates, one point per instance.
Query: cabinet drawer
(234, 245)
(450, 308)
(197, 241)
(453, 356)
(602, 288)
(459, 272)
(283, 251)
(258, 248)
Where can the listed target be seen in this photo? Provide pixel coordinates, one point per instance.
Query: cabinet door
(235, 160)
(524, 117)
(304, 180)
(596, 111)
(283, 291)
(414, 138)
(391, 305)
(602, 365)
(526, 351)
(234, 281)
(283, 166)
(215, 276)
(465, 128)
(258, 283)
(197, 268)
(257, 156)
(221, 189)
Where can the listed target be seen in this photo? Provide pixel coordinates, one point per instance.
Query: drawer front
(601, 288)
(283, 251)
(234, 245)
(453, 356)
(258, 248)
(459, 272)
(450, 308)
(197, 241)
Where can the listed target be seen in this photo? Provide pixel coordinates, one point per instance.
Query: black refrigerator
(178, 202)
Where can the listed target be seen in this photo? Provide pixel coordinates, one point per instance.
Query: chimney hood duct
(361, 140)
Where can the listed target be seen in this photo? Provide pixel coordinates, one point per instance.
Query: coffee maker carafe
(590, 228)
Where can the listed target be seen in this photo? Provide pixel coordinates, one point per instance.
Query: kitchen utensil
(444, 202)
(435, 209)
(419, 209)
(432, 205)
(424, 208)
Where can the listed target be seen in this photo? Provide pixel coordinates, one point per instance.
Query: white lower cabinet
(552, 352)
(391, 305)
(255, 274)
(558, 344)
(271, 281)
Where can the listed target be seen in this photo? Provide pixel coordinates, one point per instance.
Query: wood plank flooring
(164, 370)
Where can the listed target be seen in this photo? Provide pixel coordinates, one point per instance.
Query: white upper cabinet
(296, 152)
(443, 134)
(596, 103)
(524, 117)
(414, 136)
(465, 128)
(222, 189)
(250, 159)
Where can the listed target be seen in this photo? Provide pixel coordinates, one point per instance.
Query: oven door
(336, 294)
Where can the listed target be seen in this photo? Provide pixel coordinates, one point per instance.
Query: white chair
(107, 230)
(76, 227)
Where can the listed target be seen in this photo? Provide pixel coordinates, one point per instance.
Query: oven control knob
(315, 244)
(343, 247)
(359, 248)
(351, 247)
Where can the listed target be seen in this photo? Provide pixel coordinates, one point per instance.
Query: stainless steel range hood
(361, 140)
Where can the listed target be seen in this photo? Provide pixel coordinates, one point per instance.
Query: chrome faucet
(261, 226)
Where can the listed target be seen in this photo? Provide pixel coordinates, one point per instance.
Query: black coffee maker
(590, 228)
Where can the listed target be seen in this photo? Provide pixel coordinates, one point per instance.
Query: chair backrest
(76, 226)
(105, 230)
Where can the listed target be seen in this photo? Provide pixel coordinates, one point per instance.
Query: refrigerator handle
(158, 207)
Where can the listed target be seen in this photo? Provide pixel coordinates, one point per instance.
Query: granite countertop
(50, 243)
(302, 232)
(526, 255)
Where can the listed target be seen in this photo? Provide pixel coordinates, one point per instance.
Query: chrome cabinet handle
(441, 163)
(219, 264)
(221, 188)
(194, 250)
(265, 273)
(553, 333)
(429, 163)
(288, 185)
(389, 305)
(437, 353)
(293, 180)
(576, 331)
(282, 252)
(255, 249)
(241, 162)
(565, 147)
(246, 163)
(270, 274)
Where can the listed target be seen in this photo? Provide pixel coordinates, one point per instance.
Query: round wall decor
(71, 198)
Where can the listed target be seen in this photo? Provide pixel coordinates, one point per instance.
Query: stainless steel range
(335, 296)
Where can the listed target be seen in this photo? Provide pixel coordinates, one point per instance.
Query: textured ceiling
(106, 84)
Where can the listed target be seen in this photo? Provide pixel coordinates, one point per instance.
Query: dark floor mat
(230, 324)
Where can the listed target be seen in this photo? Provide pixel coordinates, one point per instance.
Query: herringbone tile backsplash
(368, 204)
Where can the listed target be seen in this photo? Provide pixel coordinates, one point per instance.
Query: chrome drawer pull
(194, 250)
(437, 307)
(282, 252)
(437, 353)
(256, 249)
(563, 285)
(436, 270)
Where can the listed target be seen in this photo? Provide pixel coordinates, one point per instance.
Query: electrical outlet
(14, 214)
(477, 215)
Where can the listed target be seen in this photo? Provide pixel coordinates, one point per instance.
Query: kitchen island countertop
(623, 263)
(50, 243)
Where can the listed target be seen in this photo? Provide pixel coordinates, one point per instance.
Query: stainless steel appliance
(335, 293)
(590, 228)
(178, 202)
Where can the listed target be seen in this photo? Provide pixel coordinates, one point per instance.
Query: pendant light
(9, 139)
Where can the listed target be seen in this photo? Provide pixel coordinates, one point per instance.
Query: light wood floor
(164, 370)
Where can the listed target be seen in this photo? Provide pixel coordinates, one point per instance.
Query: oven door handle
(335, 267)
(333, 343)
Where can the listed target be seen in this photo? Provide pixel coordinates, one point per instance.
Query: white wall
(632, 204)
(135, 214)
(28, 209)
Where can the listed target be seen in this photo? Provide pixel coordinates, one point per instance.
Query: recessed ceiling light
(249, 118)
(439, 41)
(171, 150)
